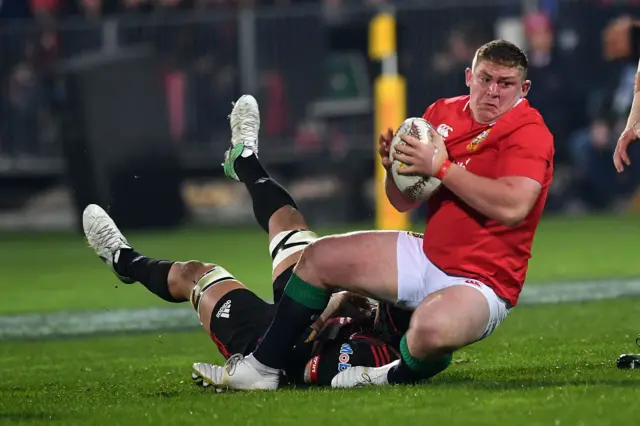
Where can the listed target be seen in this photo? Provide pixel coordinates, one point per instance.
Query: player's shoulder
(458, 102)
(524, 120)
(445, 107)
(526, 116)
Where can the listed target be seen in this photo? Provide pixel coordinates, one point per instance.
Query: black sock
(280, 283)
(151, 273)
(267, 194)
(299, 306)
(411, 370)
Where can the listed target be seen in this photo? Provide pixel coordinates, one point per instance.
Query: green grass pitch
(546, 365)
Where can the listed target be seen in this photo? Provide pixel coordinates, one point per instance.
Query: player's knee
(315, 262)
(186, 273)
(193, 269)
(210, 276)
(312, 264)
(289, 243)
(430, 338)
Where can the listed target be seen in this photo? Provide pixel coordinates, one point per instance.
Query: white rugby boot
(104, 237)
(238, 373)
(245, 126)
(199, 381)
(363, 376)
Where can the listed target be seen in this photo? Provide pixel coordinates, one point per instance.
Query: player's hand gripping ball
(415, 186)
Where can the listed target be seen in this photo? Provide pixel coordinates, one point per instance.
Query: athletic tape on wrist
(444, 168)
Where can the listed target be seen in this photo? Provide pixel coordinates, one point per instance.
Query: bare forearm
(634, 114)
(395, 197)
(493, 198)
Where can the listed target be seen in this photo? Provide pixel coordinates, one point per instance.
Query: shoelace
(107, 236)
(366, 378)
(230, 365)
(246, 126)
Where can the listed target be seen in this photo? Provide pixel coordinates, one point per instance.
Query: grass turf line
(58, 272)
(62, 324)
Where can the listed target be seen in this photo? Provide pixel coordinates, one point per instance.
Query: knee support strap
(207, 280)
(287, 243)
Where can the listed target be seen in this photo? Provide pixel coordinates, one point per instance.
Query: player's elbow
(402, 203)
(517, 200)
(403, 206)
(512, 216)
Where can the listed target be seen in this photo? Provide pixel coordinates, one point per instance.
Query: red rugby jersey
(463, 242)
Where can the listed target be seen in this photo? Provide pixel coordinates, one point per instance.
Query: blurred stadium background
(88, 88)
(124, 103)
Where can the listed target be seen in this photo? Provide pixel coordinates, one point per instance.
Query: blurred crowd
(580, 65)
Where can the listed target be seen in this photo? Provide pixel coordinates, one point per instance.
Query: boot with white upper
(104, 237)
(245, 126)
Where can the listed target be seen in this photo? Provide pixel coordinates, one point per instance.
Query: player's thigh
(237, 320)
(212, 297)
(362, 262)
(447, 320)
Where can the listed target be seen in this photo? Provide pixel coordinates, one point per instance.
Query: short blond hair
(504, 53)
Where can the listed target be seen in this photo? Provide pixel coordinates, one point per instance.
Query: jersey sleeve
(528, 152)
(430, 112)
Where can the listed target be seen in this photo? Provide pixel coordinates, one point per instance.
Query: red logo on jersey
(474, 144)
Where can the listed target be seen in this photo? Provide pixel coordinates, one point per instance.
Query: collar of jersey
(494, 122)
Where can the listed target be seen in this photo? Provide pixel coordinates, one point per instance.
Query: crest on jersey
(444, 129)
(474, 144)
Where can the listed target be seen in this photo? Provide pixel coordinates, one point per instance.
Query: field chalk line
(78, 323)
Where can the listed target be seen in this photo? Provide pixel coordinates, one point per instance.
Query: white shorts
(418, 278)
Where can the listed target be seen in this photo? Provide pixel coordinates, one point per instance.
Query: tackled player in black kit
(351, 331)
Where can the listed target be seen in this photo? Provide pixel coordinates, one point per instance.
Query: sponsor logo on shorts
(225, 310)
(415, 234)
(473, 282)
(344, 357)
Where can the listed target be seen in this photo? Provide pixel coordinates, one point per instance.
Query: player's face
(494, 90)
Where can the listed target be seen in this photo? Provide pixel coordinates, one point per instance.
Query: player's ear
(468, 74)
(526, 86)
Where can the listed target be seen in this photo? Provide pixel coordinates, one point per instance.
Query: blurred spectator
(45, 10)
(91, 9)
(583, 98)
(592, 156)
(556, 90)
(448, 66)
(621, 39)
(22, 106)
(592, 148)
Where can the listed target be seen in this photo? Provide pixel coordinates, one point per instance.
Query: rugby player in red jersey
(351, 331)
(494, 155)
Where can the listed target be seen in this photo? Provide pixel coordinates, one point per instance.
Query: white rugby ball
(415, 187)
